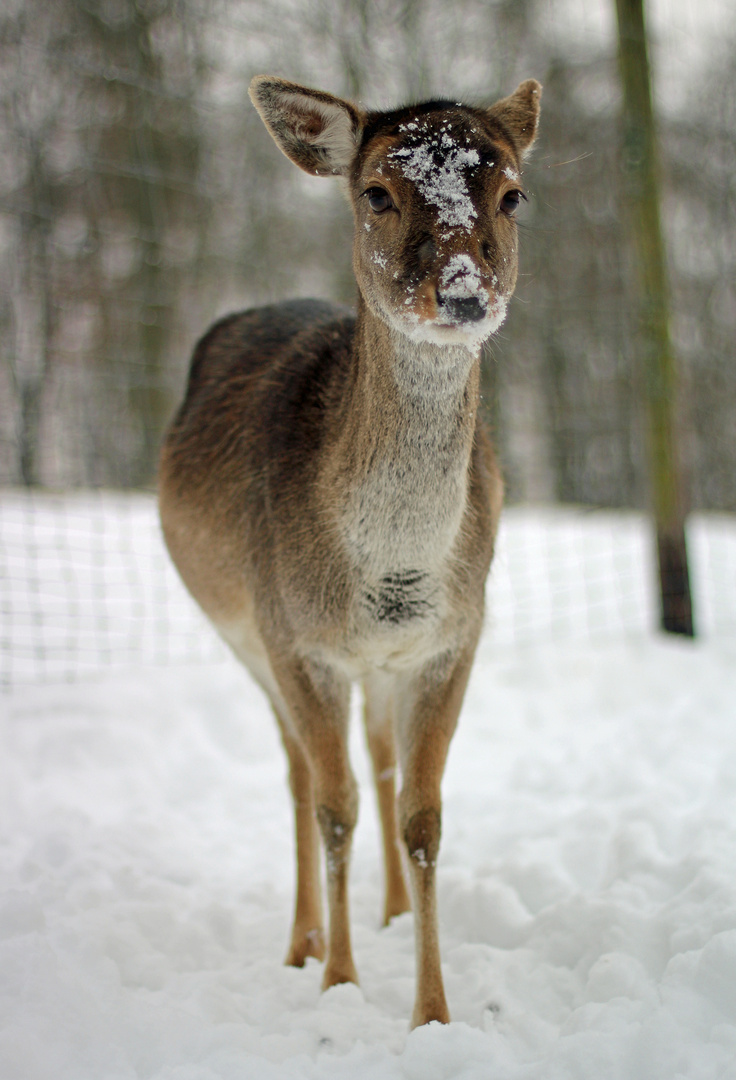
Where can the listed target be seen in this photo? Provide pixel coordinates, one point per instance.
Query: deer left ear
(519, 114)
(317, 131)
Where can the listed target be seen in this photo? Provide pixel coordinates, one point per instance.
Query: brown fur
(330, 496)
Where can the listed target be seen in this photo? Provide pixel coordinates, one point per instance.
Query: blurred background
(141, 197)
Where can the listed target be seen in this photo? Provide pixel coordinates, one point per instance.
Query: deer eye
(378, 200)
(510, 202)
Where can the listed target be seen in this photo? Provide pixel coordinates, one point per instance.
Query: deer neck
(406, 436)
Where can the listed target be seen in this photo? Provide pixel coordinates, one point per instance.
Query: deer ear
(318, 132)
(519, 114)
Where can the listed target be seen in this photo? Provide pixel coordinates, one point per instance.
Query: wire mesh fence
(87, 586)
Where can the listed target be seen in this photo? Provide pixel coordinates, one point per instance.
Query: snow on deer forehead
(436, 162)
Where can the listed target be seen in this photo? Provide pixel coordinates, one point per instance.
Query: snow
(437, 165)
(586, 878)
(461, 278)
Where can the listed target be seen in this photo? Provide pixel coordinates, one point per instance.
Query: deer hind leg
(307, 935)
(379, 727)
(428, 711)
(318, 705)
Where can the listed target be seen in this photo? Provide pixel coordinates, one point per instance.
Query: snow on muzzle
(461, 297)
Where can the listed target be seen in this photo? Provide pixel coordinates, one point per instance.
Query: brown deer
(329, 493)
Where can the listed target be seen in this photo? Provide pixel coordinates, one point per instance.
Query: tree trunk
(641, 179)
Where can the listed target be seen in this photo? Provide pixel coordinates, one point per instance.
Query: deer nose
(461, 309)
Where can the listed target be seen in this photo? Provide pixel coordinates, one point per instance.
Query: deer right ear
(318, 132)
(519, 113)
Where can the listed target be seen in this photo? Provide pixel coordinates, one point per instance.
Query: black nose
(461, 309)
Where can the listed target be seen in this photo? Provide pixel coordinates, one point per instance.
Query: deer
(330, 494)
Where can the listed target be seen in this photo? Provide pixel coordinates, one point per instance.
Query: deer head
(434, 189)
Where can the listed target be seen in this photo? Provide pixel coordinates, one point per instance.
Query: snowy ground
(587, 879)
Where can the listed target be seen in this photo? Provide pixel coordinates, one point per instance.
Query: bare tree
(642, 190)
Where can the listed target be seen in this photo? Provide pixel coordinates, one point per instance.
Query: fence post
(641, 185)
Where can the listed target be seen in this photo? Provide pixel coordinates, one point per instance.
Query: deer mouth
(468, 319)
(456, 308)
(461, 310)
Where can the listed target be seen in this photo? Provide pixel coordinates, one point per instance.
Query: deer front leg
(379, 726)
(307, 935)
(425, 731)
(318, 710)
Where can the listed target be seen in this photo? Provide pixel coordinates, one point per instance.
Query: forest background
(140, 197)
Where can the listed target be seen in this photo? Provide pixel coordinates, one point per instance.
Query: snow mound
(586, 881)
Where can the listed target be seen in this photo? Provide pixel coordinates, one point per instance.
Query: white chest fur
(401, 522)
